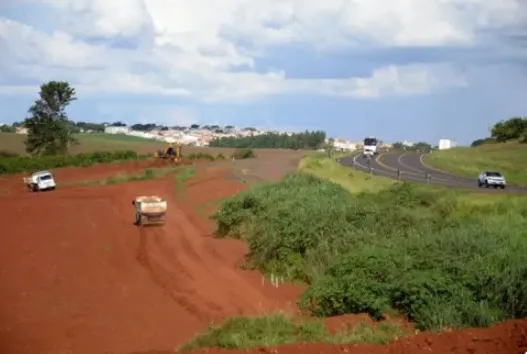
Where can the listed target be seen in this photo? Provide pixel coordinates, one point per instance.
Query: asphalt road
(409, 167)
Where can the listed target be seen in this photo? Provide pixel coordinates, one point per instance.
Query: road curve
(409, 166)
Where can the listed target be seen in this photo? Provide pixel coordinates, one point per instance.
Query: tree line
(419, 146)
(306, 140)
(513, 129)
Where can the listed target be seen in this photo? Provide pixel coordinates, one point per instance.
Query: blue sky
(400, 70)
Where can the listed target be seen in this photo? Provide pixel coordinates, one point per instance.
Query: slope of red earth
(77, 276)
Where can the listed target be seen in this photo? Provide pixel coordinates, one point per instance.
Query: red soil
(77, 276)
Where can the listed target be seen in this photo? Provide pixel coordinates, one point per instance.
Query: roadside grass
(507, 158)
(354, 181)
(279, 329)
(442, 258)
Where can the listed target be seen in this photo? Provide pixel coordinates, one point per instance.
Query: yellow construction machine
(170, 153)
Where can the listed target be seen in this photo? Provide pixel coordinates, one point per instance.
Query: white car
(39, 181)
(491, 179)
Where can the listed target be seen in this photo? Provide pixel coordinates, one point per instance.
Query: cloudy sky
(397, 69)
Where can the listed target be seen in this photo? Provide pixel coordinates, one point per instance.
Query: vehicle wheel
(35, 188)
(487, 185)
(479, 184)
(502, 187)
(137, 219)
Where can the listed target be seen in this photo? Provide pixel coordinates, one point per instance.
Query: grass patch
(182, 177)
(318, 164)
(507, 158)
(278, 329)
(441, 258)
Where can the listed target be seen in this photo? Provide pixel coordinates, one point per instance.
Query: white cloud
(189, 49)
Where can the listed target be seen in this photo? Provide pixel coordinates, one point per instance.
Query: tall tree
(49, 131)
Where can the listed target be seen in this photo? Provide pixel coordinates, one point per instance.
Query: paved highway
(409, 166)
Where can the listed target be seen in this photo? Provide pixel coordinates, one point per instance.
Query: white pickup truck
(39, 181)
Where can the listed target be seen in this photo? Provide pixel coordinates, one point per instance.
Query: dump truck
(149, 210)
(40, 181)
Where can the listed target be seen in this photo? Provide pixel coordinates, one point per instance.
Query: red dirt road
(78, 277)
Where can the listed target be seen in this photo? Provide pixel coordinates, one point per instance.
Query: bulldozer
(170, 153)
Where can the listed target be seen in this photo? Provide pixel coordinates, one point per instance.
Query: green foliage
(278, 329)
(479, 142)
(220, 156)
(200, 156)
(243, 154)
(305, 140)
(419, 146)
(511, 129)
(7, 129)
(425, 253)
(10, 165)
(49, 129)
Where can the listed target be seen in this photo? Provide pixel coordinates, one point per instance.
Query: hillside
(507, 158)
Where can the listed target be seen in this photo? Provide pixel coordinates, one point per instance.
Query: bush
(243, 154)
(17, 164)
(423, 253)
(200, 156)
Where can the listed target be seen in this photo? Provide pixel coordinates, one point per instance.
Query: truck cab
(371, 147)
(39, 181)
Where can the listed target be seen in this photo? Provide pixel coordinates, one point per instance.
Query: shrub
(423, 253)
(17, 164)
(220, 156)
(200, 156)
(243, 154)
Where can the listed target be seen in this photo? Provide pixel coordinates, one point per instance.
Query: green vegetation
(182, 177)
(278, 329)
(513, 129)
(419, 146)
(354, 181)
(10, 165)
(432, 255)
(48, 130)
(306, 140)
(243, 154)
(507, 158)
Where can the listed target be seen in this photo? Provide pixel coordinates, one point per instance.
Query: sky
(416, 70)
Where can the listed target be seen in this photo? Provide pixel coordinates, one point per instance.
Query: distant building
(21, 130)
(116, 130)
(445, 144)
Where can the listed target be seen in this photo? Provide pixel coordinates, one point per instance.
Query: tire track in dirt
(179, 260)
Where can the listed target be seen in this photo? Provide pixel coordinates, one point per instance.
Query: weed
(278, 329)
(182, 176)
